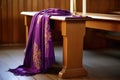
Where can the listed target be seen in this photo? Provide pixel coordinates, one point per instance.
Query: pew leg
(73, 34)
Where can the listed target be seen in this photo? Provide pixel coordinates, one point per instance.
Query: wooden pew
(72, 42)
(73, 31)
(109, 22)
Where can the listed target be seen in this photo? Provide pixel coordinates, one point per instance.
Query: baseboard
(13, 45)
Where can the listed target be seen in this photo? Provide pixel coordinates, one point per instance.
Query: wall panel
(52, 3)
(15, 21)
(4, 31)
(100, 6)
(12, 28)
(34, 5)
(0, 22)
(10, 22)
(40, 4)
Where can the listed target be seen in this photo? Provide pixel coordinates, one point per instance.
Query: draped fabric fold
(39, 52)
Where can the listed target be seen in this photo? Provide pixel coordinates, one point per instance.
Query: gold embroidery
(47, 34)
(36, 56)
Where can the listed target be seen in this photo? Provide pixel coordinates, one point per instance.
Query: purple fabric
(39, 52)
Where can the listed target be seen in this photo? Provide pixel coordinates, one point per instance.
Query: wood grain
(102, 64)
(12, 24)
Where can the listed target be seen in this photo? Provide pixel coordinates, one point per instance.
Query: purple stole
(39, 52)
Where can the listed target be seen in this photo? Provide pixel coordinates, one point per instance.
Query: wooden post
(73, 32)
